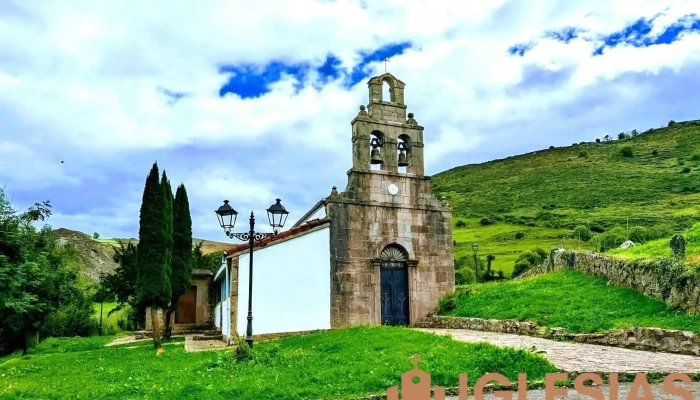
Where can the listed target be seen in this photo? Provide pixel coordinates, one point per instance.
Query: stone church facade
(378, 252)
(390, 237)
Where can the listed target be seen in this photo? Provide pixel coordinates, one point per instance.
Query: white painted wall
(291, 286)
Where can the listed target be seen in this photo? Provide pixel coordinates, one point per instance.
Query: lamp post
(277, 215)
(475, 249)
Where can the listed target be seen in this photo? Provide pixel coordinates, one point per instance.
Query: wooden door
(394, 293)
(186, 312)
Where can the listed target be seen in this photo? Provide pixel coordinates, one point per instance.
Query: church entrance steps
(572, 357)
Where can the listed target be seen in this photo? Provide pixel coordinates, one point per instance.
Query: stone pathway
(579, 357)
(202, 345)
(623, 391)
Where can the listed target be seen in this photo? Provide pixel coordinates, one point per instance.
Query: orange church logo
(415, 385)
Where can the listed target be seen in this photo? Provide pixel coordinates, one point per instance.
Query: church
(378, 252)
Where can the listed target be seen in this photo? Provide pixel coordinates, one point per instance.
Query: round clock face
(393, 189)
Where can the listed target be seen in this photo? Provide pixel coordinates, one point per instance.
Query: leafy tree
(153, 258)
(622, 135)
(597, 140)
(182, 260)
(582, 232)
(122, 283)
(634, 132)
(95, 235)
(209, 262)
(36, 278)
(607, 138)
(671, 123)
(528, 259)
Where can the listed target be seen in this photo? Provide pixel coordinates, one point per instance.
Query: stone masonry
(365, 218)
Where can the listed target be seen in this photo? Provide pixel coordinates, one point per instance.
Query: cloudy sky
(249, 101)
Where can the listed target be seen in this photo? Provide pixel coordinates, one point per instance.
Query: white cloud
(85, 85)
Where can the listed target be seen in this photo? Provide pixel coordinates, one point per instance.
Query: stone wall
(654, 339)
(661, 279)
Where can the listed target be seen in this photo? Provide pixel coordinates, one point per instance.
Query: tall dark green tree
(153, 255)
(182, 259)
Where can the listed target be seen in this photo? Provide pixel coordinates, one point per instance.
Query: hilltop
(651, 180)
(94, 256)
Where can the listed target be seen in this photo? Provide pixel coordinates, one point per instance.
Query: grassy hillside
(662, 248)
(94, 256)
(651, 180)
(569, 299)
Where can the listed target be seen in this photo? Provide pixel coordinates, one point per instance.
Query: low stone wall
(489, 325)
(661, 279)
(654, 339)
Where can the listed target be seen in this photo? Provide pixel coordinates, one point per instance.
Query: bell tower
(383, 138)
(391, 238)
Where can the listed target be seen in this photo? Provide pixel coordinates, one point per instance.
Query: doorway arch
(393, 287)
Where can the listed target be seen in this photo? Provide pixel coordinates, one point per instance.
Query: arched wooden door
(394, 285)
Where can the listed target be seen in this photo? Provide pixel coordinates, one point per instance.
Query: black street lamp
(475, 249)
(277, 215)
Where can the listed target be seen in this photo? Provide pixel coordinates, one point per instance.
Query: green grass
(603, 189)
(571, 300)
(661, 247)
(335, 364)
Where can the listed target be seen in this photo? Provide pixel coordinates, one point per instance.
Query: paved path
(580, 357)
(623, 390)
(202, 345)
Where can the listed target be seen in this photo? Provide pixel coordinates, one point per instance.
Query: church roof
(311, 212)
(289, 234)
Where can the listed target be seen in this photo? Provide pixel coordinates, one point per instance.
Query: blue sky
(252, 101)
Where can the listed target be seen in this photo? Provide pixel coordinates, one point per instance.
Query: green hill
(95, 256)
(651, 180)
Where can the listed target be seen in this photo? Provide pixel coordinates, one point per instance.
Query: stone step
(208, 337)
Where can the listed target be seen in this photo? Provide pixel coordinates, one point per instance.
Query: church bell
(402, 159)
(403, 162)
(376, 157)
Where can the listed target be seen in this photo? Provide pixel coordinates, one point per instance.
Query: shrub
(627, 151)
(639, 234)
(685, 170)
(634, 132)
(74, 319)
(486, 221)
(655, 153)
(597, 140)
(242, 352)
(622, 135)
(597, 229)
(464, 276)
(520, 268)
(460, 224)
(678, 246)
(454, 243)
(551, 147)
(659, 231)
(95, 235)
(681, 163)
(695, 157)
(671, 123)
(582, 232)
(582, 154)
(613, 238)
(520, 235)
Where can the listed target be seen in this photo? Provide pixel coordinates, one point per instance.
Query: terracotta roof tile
(282, 235)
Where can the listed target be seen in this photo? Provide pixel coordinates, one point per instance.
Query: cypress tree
(182, 262)
(153, 278)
